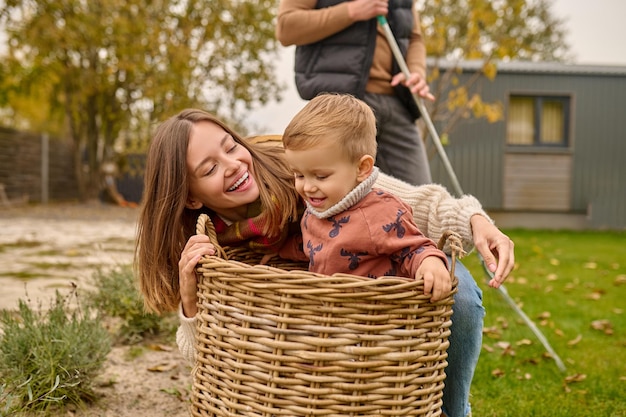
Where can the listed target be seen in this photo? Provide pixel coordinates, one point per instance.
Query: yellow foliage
(490, 70)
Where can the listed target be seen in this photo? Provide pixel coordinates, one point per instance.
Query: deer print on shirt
(334, 232)
(397, 225)
(354, 258)
(312, 251)
(399, 256)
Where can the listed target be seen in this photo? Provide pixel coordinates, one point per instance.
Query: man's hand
(367, 9)
(416, 84)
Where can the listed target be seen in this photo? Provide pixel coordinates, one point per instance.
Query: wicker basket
(281, 341)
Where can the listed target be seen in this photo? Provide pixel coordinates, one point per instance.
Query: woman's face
(221, 176)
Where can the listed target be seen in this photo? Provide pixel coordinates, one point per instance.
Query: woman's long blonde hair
(165, 224)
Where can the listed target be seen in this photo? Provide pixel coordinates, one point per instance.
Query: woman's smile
(241, 182)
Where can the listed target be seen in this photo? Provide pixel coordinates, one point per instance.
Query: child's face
(323, 174)
(221, 176)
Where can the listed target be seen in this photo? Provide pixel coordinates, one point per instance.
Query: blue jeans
(465, 343)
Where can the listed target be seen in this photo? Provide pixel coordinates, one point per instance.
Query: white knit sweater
(434, 211)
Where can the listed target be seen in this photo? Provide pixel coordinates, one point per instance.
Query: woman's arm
(436, 211)
(185, 336)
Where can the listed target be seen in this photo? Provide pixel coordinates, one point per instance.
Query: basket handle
(456, 248)
(204, 226)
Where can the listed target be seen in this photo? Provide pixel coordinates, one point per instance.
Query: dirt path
(52, 247)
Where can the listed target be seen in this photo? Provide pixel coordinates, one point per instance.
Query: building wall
(478, 150)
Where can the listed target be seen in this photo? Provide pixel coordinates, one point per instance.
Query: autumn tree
(487, 31)
(102, 72)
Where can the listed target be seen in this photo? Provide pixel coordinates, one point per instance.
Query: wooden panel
(537, 182)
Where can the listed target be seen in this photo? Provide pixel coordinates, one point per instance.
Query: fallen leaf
(596, 295)
(559, 332)
(488, 348)
(503, 345)
(160, 348)
(524, 342)
(162, 367)
(554, 262)
(507, 350)
(602, 325)
(575, 378)
(497, 373)
(544, 315)
(620, 280)
(552, 277)
(492, 332)
(590, 265)
(575, 340)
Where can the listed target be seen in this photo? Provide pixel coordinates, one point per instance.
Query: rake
(382, 21)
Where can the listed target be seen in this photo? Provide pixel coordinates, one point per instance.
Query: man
(340, 48)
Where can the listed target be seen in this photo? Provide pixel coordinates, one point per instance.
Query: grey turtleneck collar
(349, 199)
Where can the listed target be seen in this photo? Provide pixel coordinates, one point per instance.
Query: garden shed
(557, 156)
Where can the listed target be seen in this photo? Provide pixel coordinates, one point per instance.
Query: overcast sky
(596, 34)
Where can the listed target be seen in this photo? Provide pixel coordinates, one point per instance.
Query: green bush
(49, 357)
(116, 296)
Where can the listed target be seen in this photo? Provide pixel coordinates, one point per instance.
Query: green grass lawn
(573, 286)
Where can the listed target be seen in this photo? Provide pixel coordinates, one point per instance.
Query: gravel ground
(49, 247)
(44, 248)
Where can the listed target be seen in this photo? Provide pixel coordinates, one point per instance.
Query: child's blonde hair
(342, 118)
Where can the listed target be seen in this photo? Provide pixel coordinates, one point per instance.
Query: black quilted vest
(341, 62)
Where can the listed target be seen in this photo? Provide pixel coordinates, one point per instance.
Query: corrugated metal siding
(476, 158)
(598, 141)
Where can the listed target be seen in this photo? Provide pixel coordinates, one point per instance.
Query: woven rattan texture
(280, 341)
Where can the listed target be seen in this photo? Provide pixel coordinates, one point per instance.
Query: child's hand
(436, 276)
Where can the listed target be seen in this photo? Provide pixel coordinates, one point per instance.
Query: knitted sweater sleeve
(186, 336)
(435, 210)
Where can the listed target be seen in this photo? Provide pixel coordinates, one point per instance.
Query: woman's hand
(495, 247)
(196, 247)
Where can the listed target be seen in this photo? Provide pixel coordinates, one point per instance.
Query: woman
(196, 164)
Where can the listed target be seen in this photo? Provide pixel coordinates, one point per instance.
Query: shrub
(116, 296)
(49, 357)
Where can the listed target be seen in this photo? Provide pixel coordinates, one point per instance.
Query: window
(538, 120)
